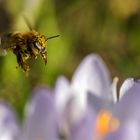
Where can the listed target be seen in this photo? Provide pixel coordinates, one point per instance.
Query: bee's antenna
(52, 37)
(27, 22)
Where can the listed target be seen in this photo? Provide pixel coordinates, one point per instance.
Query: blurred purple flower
(41, 118)
(9, 128)
(85, 108)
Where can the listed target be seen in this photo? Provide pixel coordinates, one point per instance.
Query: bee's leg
(44, 56)
(21, 59)
(34, 51)
(22, 64)
(18, 60)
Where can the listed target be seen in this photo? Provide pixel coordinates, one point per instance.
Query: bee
(26, 46)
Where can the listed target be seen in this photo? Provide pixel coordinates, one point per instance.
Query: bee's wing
(3, 52)
(27, 23)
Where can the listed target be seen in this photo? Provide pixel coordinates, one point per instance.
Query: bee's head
(41, 46)
(41, 42)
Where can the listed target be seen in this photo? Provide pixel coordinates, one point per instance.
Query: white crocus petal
(62, 93)
(9, 129)
(125, 87)
(41, 120)
(92, 75)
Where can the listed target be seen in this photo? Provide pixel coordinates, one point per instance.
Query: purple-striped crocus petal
(92, 75)
(128, 106)
(84, 128)
(9, 128)
(41, 117)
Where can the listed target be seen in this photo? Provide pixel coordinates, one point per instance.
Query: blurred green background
(110, 28)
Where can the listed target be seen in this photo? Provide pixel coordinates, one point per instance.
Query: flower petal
(98, 104)
(62, 93)
(41, 121)
(128, 107)
(127, 131)
(128, 83)
(9, 129)
(92, 75)
(63, 96)
(84, 129)
(127, 111)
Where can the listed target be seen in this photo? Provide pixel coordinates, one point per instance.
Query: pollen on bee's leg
(106, 123)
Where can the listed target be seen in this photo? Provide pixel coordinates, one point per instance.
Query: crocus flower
(127, 111)
(84, 108)
(91, 87)
(90, 76)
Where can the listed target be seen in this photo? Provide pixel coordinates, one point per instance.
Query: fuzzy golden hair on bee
(26, 46)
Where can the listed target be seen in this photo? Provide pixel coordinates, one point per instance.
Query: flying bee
(25, 46)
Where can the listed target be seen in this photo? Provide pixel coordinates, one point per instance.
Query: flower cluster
(87, 108)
